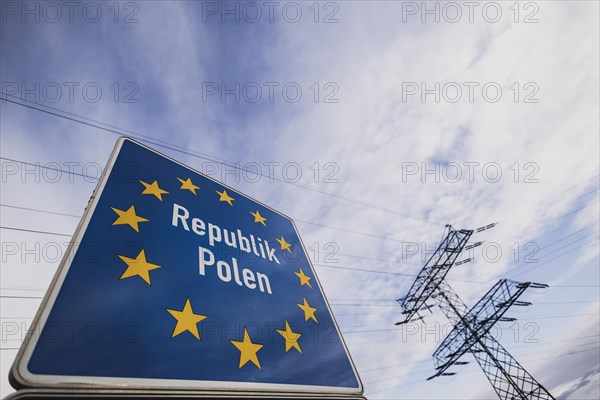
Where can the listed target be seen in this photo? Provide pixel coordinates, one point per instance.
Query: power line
(357, 269)
(307, 222)
(361, 299)
(404, 262)
(332, 266)
(574, 286)
(551, 197)
(396, 387)
(560, 341)
(396, 377)
(392, 273)
(33, 231)
(393, 366)
(396, 305)
(568, 244)
(20, 297)
(422, 361)
(512, 268)
(524, 317)
(333, 304)
(38, 210)
(535, 228)
(193, 153)
(396, 262)
(383, 272)
(550, 316)
(552, 259)
(352, 231)
(364, 270)
(49, 168)
(295, 220)
(22, 288)
(539, 202)
(427, 370)
(364, 305)
(528, 360)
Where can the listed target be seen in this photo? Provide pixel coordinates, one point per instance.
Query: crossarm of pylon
(478, 321)
(434, 271)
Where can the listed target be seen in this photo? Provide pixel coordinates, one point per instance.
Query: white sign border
(20, 377)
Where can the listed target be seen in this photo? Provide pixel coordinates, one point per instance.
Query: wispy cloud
(357, 134)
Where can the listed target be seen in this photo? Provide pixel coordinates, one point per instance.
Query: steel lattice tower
(471, 326)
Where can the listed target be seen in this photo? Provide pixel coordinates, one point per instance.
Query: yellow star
(304, 280)
(258, 218)
(187, 184)
(138, 266)
(247, 350)
(186, 320)
(225, 197)
(291, 338)
(284, 245)
(152, 188)
(128, 217)
(309, 312)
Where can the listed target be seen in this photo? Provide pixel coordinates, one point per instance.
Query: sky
(381, 122)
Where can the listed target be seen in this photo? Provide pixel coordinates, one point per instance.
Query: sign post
(176, 282)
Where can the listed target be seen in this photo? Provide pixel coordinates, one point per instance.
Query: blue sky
(367, 137)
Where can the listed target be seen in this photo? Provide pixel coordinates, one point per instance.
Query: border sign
(174, 281)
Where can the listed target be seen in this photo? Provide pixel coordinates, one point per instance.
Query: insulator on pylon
(470, 246)
(466, 260)
(488, 226)
(521, 303)
(539, 285)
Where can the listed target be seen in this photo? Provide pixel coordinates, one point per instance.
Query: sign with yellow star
(186, 184)
(304, 279)
(291, 338)
(153, 189)
(223, 196)
(284, 245)
(259, 218)
(309, 312)
(186, 320)
(128, 217)
(247, 350)
(138, 267)
(175, 281)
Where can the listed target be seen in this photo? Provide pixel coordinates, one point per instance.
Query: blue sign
(175, 280)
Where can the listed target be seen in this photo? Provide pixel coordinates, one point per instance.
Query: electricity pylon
(471, 332)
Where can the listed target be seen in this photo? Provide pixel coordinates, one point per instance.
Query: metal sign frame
(103, 394)
(20, 377)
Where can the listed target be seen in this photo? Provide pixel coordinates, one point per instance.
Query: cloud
(364, 143)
